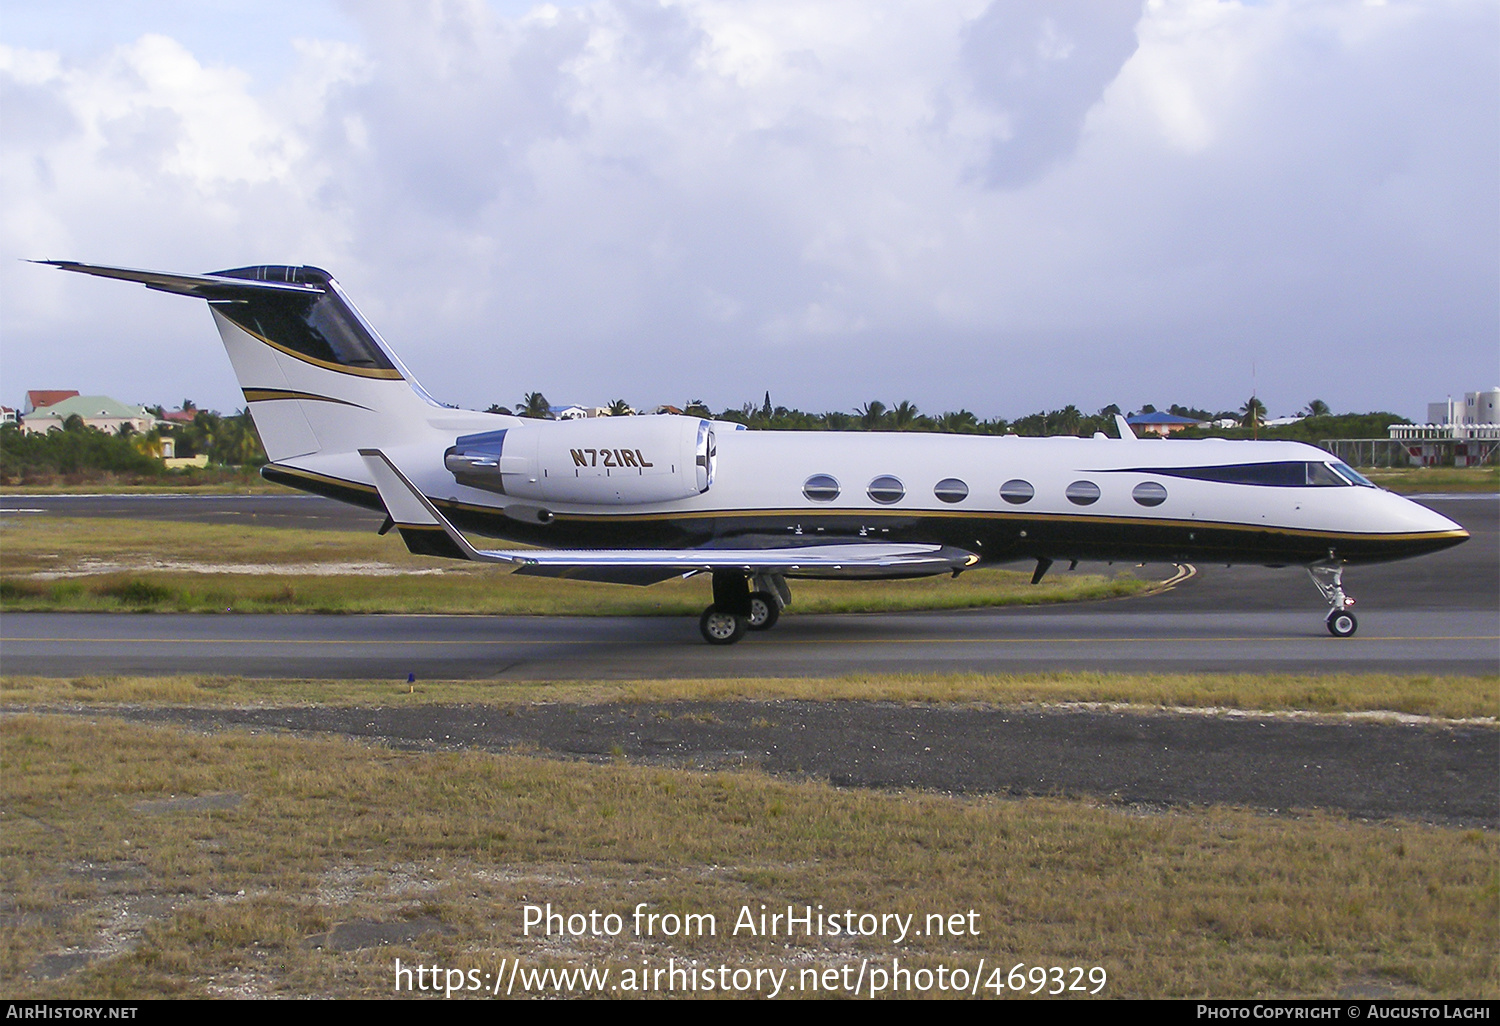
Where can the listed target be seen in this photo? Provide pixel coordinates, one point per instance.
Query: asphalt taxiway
(1442, 773)
(1436, 615)
(1081, 637)
(308, 512)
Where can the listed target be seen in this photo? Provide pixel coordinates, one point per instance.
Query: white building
(1467, 430)
(1482, 407)
(1475, 408)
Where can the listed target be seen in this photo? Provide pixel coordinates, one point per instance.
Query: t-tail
(316, 377)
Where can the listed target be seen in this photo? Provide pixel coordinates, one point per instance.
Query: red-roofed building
(39, 397)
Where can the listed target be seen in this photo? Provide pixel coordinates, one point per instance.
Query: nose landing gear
(1329, 578)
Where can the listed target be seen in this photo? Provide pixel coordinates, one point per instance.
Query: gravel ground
(1423, 771)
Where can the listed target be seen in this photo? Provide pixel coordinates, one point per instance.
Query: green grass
(101, 854)
(1415, 480)
(408, 584)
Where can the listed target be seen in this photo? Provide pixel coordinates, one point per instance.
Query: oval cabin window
(1149, 493)
(951, 489)
(821, 488)
(1082, 493)
(1017, 491)
(886, 490)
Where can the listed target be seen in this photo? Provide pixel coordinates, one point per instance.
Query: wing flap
(852, 559)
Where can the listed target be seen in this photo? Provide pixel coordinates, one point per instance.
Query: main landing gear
(1329, 578)
(743, 604)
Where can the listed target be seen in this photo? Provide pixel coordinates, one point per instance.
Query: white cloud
(996, 205)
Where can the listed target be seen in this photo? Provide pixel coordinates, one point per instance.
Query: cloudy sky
(1003, 205)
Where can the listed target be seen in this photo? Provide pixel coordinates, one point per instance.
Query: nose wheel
(1329, 579)
(1342, 624)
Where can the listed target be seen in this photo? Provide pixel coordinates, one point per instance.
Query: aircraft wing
(426, 531)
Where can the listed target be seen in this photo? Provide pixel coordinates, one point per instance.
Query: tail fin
(316, 376)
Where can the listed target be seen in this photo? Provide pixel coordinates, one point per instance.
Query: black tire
(720, 628)
(1342, 624)
(764, 611)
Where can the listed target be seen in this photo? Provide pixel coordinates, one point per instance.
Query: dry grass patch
(49, 544)
(104, 861)
(1465, 698)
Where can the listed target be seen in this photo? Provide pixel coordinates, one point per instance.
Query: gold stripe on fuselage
(846, 514)
(262, 395)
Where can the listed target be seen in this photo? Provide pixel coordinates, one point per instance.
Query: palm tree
(959, 422)
(239, 443)
(146, 443)
(620, 408)
(697, 408)
(535, 406)
(904, 415)
(1318, 408)
(871, 414)
(1065, 421)
(1253, 413)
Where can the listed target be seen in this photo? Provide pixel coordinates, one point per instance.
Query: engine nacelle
(606, 461)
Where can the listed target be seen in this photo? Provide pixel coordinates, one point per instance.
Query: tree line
(79, 449)
(1318, 421)
(232, 441)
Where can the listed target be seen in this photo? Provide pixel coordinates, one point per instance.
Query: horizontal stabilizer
(204, 286)
(425, 530)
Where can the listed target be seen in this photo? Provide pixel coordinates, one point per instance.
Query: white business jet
(636, 500)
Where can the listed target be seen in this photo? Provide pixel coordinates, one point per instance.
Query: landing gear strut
(737, 608)
(1329, 578)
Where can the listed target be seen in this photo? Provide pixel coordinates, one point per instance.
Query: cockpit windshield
(1288, 474)
(1351, 475)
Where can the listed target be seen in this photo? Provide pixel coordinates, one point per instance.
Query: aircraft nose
(1435, 521)
(1437, 530)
